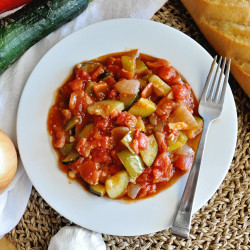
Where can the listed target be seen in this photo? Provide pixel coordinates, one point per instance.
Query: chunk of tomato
(184, 162)
(166, 73)
(89, 172)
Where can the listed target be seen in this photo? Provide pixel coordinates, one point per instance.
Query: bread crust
(224, 43)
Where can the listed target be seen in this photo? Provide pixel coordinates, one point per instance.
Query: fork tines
(214, 92)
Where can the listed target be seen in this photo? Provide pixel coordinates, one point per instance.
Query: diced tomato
(82, 74)
(101, 155)
(122, 73)
(110, 60)
(89, 172)
(113, 69)
(181, 92)
(162, 160)
(127, 119)
(59, 139)
(147, 91)
(110, 81)
(184, 162)
(66, 115)
(113, 94)
(102, 123)
(142, 139)
(107, 171)
(79, 101)
(97, 73)
(135, 146)
(158, 63)
(175, 80)
(166, 73)
(165, 106)
(101, 90)
(106, 142)
(163, 169)
(149, 189)
(77, 84)
(81, 146)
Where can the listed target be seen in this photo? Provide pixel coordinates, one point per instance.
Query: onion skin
(8, 160)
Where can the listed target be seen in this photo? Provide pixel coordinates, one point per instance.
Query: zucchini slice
(65, 150)
(127, 139)
(116, 184)
(143, 108)
(128, 63)
(71, 123)
(98, 189)
(90, 67)
(71, 157)
(86, 131)
(105, 108)
(149, 154)
(140, 66)
(140, 125)
(160, 85)
(128, 100)
(132, 162)
(179, 143)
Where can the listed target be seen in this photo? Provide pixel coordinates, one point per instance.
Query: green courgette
(27, 26)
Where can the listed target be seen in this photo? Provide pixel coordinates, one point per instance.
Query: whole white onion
(8, 160)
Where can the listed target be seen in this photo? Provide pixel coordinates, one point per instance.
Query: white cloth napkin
(12, 82)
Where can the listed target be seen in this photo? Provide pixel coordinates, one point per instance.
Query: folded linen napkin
(13, 80)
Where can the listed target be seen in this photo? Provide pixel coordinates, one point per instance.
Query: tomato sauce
(125, 125)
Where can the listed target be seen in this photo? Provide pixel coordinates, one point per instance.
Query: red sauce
(87, 137)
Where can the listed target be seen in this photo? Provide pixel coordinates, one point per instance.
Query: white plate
(71, 200)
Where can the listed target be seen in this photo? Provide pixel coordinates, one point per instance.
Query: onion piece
(8, 160)
(133, 190)
(182, 114)
(184, 150)
(129, 87)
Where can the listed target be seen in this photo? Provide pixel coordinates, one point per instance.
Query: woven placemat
(223, 223)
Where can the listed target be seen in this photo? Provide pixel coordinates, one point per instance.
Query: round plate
(70, 199)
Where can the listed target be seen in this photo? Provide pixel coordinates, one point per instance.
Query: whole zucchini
(27, 26)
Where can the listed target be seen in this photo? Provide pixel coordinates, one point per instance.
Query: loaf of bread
(226, 26)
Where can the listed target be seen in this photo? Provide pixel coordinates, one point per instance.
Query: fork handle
(182, 222)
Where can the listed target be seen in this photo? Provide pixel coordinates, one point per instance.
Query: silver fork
(210, 108)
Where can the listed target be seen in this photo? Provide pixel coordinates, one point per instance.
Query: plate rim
(78, 31)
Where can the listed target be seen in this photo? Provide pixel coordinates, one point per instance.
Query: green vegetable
(149, 154)
(128, 100)
(86, 131)
(128, 63)
(27, 26)
(97, 189)
(127, 139)
(67, 148)
(160, 85)
(116, 184)
(71, 123)
(132, 162)
(71, 157)
(90, 67)
(143, 108)
(140, 125)
(140, 66)
(182, 139)
(89, 88)
(105, 108)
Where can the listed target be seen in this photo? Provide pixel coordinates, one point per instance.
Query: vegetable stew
(125, 125)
